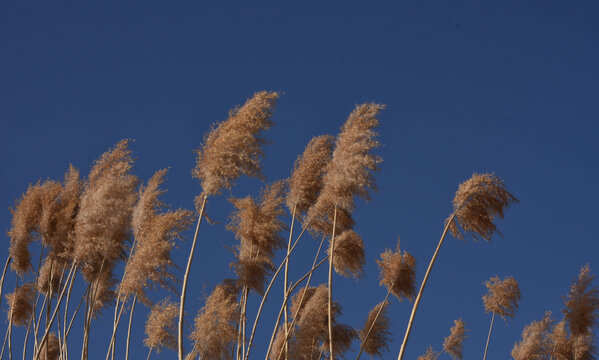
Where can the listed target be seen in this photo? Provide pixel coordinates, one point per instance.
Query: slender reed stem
(45, 337)
(272, 280)
(286, 279)
(185, 279)
(112, 345)
(149, 353)
(330, 310)
(489, 337)
(90, 310)
(8, 260)
(4, 343)
(244, 319)
(68, 329)
(10, 323)
(26, 338)
(240, 323)
(64, 348)
(378, 313)
(299, 306)
(419, 296)
(129, 329)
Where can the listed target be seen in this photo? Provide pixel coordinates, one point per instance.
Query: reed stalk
(286, 279)
(489, 336)
(8, 260)
(186, 278)
(330, 309)
(129, 329)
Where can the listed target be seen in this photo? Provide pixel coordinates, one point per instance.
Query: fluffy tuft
(378, 340)
(161, 326)
(349, 254)
(398, 273)
(453, 343)
(535, 343)
(502, 296)
(20, 304)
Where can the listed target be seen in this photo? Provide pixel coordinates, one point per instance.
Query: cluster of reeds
(87, 226)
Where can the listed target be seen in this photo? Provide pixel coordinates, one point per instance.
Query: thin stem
(4, 343)
(185, 279)
(378, 313)
(286, 279)
(330, 309)
(8, 260)
(244, 319)
(112, 345)
(64, 347)
(489, 336)
(419, 296)
(26, 338)
(129, 329)
(149, 353)
(272, 280)
(10, 323)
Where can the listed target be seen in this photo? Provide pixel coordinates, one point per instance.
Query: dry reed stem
(128, 341)
(489, 336)
(8, 260)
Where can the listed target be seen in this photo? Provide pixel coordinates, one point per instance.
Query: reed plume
(477, 203)
(502, 297)
(375, 334)
(535, 343)
(561, 346)
(155, 233)
(430, 354)
(349, 254)
(582, 304)
(257, 226)
(48, 279)
(51, 348)
(398, 273)
(233, 147)
(453, 343)
(161, 326)
(306, 180)
(215, 329)
(20, 304)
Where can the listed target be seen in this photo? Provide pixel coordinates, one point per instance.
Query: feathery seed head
(430, 354)
(502, 297)
(582, 304)
(478, 201)
(216, 323)
(378, 340)
(348, 259)
(51, 348)
(49, 275)
(20, 304)
(535, 343)
(306, 180)
(161, 326)
(349, 173)
(234, 147)
(453, 343)
(398, 273)
(298, 304)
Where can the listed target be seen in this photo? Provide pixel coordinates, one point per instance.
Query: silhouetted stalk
(8, 260)
(291, 288)
(303, 296)
(272, 280)
(58, 301)
(185, 279)
(129, 329)
(417, 301)
(373, 322)
(286, 278)
(330, 311)
(489, 337)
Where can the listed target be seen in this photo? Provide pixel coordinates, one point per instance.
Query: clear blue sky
(509, 87)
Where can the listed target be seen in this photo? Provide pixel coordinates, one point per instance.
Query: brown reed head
(104, 293)
(257, 226)
(430, 354)
(349, 173)
(306, 180)
(155, 234)
(380, 335)
(103, 221)
(20, 304)
(582, 304)
(453, 343)
(398, 273)
(560, 341)
(161, 326)
(50, 273)
(502, 296)
(299, 301)
(477, 203)
(215, 329)
(348, 259)
(51, 348)
(535, 343)
(234, 147)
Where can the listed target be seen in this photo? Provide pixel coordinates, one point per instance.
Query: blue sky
(507, 87)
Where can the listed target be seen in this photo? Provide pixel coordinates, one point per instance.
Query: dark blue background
(507, 87)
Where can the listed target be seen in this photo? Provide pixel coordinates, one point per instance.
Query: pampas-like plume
(453, 343)
(349, 254)
(582, 304)
(379, 335)
(477, 203)
(102, 224)
(502, 297)
(257, 228)
(49, 274)
(398, 273)
(51, 349)
(155, 235)
(161, 326)
(535, 343)
(20, 304)
(430, 354)
(349, 173)
(234, 147)
(561, 347)
(307, 178)
(216, 323)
